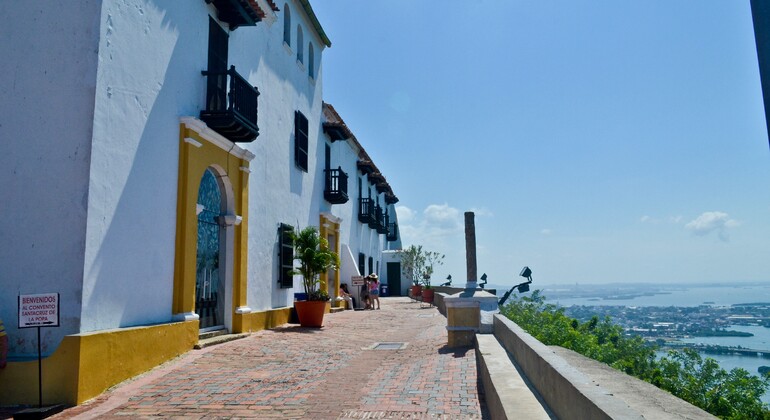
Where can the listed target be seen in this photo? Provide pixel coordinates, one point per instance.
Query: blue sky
(597, 141)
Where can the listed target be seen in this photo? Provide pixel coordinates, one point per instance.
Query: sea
(722, 294)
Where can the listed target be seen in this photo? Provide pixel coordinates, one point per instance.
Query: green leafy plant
(417, 264)
(314, 257)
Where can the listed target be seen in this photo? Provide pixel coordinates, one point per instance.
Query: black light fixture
(484, 280)
(448, 281)
(521, 287)
(525, 272)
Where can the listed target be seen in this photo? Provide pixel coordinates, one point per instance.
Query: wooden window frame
(301, 152)
(285, 256)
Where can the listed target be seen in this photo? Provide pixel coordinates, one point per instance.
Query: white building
(151, 151)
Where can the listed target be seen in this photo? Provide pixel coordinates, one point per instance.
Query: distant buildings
(153, 154)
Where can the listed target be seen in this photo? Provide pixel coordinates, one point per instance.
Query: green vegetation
(730, 395)
(314, 257)
(417, 264)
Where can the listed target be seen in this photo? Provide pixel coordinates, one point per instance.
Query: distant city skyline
(596, 141)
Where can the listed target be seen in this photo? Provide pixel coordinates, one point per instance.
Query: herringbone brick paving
(329, 373)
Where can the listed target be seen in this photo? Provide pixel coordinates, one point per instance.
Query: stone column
(470, 249)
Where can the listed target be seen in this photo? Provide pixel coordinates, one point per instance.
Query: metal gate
(209, 291)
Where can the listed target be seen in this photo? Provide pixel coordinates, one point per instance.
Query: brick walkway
(328, 373)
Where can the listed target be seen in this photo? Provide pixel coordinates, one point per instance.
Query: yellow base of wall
(256, 321)
(85, 365)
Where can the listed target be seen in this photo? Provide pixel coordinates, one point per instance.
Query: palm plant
(314, 257)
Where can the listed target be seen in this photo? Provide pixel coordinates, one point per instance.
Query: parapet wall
(566, 391)
(575, 387)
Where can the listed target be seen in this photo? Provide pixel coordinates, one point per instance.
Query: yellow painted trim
(193, 162)
(327, 228)
(262, 320)
(85, 365)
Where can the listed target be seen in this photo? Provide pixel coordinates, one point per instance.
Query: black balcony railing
(231, 105)
(380, 225)
(392, 232)
(336, 188)
(366, 211)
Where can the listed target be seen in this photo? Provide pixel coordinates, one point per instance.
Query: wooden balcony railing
(336, 188)
(366, 211)
(392, 232)
(231, 105)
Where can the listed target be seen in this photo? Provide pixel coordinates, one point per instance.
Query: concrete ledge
(567, 392)
(506, 392)
(574, 386)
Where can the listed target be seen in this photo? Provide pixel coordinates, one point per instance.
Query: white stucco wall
(279, 192)
(49, 51)
(151, 53)
(89, 130)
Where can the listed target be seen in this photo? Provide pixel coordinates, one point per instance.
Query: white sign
(40, 310)
(357, 280)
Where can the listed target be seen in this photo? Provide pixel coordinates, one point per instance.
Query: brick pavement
(329, 373)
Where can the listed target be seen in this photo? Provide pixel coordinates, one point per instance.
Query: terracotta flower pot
(310, 313)
(416, 291)
(427, 295)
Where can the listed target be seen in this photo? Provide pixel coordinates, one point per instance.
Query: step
(218, 339)
(214, 333)
(508, 394)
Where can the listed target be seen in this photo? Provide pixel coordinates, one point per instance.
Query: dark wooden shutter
(216, 89)
(285, 256)
(300, 140)
(362, 264)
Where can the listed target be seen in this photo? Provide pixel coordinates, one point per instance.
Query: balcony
(382, 221)
(238, 12)
(366, 212)
(392, 232)
(231, 105)
(336, 188)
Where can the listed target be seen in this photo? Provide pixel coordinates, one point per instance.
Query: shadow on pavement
(455, 351)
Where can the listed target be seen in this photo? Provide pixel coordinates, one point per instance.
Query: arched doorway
(209, 282)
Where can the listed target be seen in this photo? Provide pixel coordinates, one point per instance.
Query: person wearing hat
(374, 289)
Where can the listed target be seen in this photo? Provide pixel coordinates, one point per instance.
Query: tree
(417, 264)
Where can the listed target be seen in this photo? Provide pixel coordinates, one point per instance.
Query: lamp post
(522, 287)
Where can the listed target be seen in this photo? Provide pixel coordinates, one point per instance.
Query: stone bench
(507, 393)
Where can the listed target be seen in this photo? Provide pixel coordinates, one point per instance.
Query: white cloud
(546, 232)
(441, 216)
(712, 221)
(405, 214)
(431, 228)
(645, 218)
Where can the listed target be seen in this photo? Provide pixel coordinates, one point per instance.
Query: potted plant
(314, 257)
(427, 292)
(429, 260)
(411, 266)
(417, 266)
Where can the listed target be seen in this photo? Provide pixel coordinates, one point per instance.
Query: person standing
(374, 290)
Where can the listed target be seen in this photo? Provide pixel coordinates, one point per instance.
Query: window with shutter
(362, 264)
(300, 140)
(285, 256)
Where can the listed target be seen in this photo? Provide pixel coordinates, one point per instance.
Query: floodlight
(449, 281)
